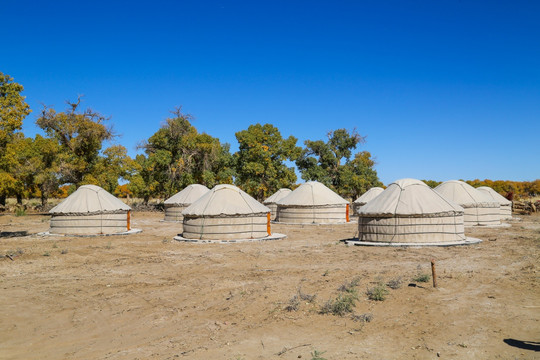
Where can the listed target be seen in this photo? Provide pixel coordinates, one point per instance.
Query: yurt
(226, 213)
(90, 211)
(408, 212)
(272, 200)
(365, 197)
(181, 200)
(479, 208)
(506, 205)
(312, 203)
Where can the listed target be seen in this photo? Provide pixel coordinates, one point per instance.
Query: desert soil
(146, 296)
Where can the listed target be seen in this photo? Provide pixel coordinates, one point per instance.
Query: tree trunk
(3, 200)
(19, 199)
(43, 200)
(146, 199)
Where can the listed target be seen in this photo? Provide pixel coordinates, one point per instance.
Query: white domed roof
(409, 197)
(188, 195)
(225, 200)
(369, 195)
(464, 194)
(278, 195)
(495, 196)
(312, 193)
(90, 199)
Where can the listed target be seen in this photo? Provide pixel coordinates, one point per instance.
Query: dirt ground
(146, 296)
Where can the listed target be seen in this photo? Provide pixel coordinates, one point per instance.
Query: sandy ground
(146, 296)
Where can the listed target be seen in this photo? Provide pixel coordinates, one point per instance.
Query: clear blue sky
(442, 89)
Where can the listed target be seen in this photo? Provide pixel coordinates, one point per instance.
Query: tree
(13, 110)
(177, 156)
(260, 160)
(113, 165)
(330, 163)
(358, 176)
(80, 136)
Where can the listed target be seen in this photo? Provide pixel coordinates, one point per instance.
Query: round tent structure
(312, 203)
(367, 196)
(90, 210)
(271, 201)
(480, 210)
(226, 213)
(506, 205)
(181, 200)
(410, 213)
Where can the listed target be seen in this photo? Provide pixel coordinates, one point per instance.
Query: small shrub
(326, 272)
(64, 251)
(395, 283)
(317, 355)
(377, 293)
(294, 304)
(343, 304)
(46, 254)
(349, 286)
(422, 277)
(54, 246)
(306, 297)
(20, 211)
(362, 318)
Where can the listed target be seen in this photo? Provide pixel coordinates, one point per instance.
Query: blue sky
(442, 89)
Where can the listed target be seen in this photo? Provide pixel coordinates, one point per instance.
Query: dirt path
(146, 296)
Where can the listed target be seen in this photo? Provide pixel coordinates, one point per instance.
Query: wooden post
(129, 220)
(268, 224)
(433, 273)
(347, 213)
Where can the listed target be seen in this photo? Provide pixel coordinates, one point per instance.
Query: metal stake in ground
(433, 274)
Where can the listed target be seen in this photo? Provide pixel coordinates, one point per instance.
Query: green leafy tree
(432, 183)
(177, 156)
(260, 160)
(330, 163)
(80, 136)
(114, 164)
(358, 176)
(37, 168)
(13, 110)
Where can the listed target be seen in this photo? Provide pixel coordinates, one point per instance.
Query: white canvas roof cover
(369, 195)
(188, 195)
(278, 195)
(312, 193)
(409, 197)
(90, 199)
(464, 194)
(495, 196)
(225, 200)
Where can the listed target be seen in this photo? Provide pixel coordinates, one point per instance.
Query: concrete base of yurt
(467, 241)
(502, 225)
(128, 232)
(174, 213)
(275, 236)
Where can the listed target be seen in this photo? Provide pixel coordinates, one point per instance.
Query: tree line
(521, 189)
(72, 153)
